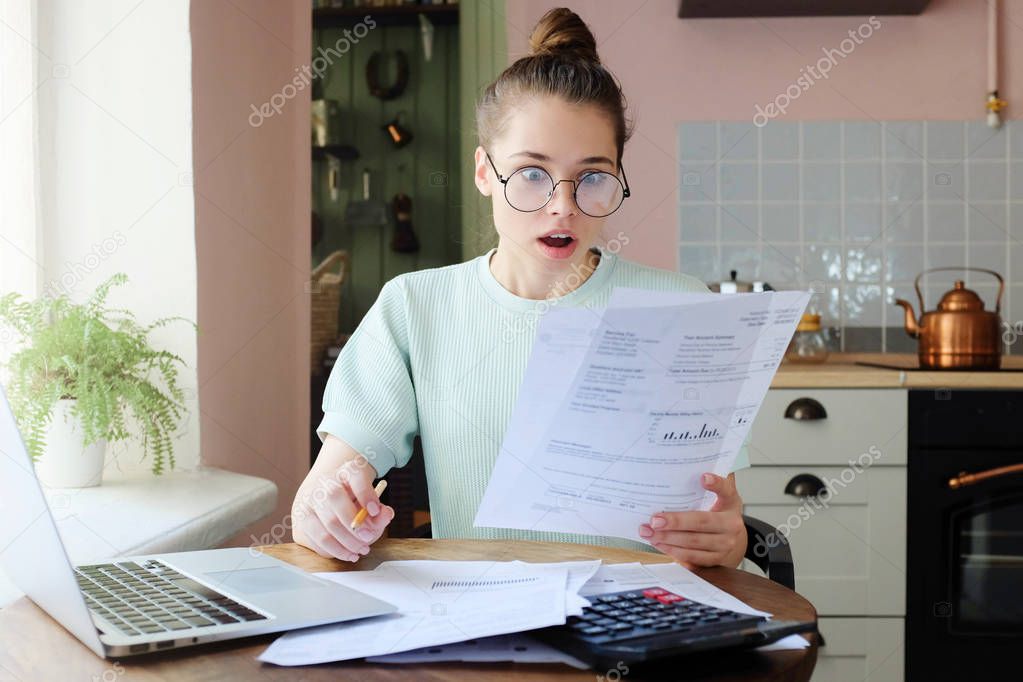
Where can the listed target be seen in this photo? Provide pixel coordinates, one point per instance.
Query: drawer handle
(805, 409)
(805, 485)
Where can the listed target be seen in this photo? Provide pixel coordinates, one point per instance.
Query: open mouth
(557, 241)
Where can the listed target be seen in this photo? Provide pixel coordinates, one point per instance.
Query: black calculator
(653, 624)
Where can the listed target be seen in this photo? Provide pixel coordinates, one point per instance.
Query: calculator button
(654, 592)
(595, 630)
(668, 598)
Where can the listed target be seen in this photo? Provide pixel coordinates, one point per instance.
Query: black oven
(964, 577)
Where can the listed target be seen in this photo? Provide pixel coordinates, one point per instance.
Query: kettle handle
(1001, 284)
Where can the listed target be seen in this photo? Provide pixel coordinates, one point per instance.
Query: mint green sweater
(441, 353)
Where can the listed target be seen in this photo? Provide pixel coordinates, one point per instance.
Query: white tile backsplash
(822, 140)
(822, 182)
(739, 223)
(780, 141)
(862, 139)
(853, 209)
(903, 140)
(903, 222)
(863, 181)
(945, 139)
(780, 222)
(904, 181)
(822, 223)
(863, 221)
(738, 181)
(987, 180)
(984, 142)
(738, 141)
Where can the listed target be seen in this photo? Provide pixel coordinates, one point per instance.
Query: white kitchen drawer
(850, 553)
(867, 649)
(857, 420)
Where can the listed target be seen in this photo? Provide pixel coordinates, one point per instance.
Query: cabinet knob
(804, 485)
(805, 409)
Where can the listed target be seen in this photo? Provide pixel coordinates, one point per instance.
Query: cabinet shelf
(343, 152)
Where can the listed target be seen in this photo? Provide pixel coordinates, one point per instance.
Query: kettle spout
(912, 328)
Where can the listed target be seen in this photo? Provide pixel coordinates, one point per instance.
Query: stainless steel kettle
(736, 286)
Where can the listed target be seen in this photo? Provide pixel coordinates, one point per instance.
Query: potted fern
(83, 368)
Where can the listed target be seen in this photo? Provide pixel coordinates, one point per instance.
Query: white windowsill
(179, 511)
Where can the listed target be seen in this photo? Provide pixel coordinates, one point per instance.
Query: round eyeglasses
(596, 193)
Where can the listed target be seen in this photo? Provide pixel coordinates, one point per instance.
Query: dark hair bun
(561, 31)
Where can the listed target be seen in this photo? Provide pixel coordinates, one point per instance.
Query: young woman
(442, 351)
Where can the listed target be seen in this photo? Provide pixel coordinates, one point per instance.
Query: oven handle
(964, 479)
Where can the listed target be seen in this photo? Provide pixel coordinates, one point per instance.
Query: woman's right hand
(338, 486)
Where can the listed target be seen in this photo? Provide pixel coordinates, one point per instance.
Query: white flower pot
(65, 461)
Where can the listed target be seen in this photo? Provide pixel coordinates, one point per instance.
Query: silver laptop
(136, 604)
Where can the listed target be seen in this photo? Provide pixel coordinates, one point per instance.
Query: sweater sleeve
(370, 401)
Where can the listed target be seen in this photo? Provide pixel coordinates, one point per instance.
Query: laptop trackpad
(257, 580)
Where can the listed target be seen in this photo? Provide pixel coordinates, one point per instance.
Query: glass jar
(808, 343)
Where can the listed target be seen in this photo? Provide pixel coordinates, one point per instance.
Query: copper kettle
(960, 334)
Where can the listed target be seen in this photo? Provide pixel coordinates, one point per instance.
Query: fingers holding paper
(702, 538)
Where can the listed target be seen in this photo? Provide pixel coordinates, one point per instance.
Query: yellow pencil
(363, 513)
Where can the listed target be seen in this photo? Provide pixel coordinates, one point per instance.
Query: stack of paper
(476, 610)
(441, 602)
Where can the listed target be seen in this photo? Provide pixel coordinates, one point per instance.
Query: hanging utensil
(366, 212)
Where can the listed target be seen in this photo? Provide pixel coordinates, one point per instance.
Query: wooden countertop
(840, 371)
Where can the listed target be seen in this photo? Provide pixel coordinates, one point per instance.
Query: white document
(579, 573)
(439, 602)
(622, 410)
(517, 648)
(521, 648)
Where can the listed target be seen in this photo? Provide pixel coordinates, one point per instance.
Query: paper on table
(579, 572)
(511, 647)
(621, 411)
(440, 602)
(786, 644)
(518, 648)
(522, 648)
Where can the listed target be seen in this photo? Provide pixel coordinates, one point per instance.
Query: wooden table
(35, 647)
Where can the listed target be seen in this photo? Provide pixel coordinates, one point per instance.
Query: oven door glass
(987, 568)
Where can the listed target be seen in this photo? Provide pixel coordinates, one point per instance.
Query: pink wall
(931, 66)
(252, 206)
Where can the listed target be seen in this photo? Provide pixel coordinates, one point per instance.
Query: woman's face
(566, 141)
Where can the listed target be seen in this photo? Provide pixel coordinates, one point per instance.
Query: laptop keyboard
(149, 597)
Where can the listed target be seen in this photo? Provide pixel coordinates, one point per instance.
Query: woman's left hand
(702, 538)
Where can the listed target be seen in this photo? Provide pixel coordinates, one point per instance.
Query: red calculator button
(654, 592)
(668, 598)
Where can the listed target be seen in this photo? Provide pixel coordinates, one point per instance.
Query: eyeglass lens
(597, 193)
